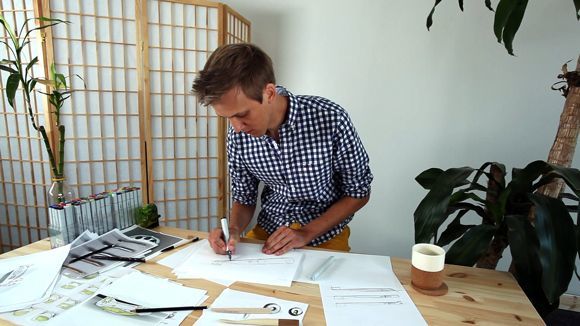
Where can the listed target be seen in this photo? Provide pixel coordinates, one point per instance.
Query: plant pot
(59, 191)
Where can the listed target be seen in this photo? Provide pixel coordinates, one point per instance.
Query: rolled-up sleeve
(244, 185)
(352, 160)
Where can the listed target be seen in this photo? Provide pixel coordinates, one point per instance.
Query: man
(303, 148)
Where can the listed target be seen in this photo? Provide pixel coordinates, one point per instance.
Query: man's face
(245, 114)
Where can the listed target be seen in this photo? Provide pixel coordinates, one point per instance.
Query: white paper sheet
(152, 292)
(181, 255)
(178, 256)
(360, 290)
(25, 280)
(368, 305)
(348, 269)
(67, 294)
(284, 309)
(248, 264)
(139, 289)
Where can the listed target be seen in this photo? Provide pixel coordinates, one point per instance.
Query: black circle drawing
(149, 238)
(274, 307)
(296, 311)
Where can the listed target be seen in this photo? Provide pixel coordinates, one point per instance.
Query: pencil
(179, 244)
(117, 258)
(139, 310)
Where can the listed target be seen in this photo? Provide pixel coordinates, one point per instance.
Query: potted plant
(20, 76)
(147, 216)
(539, 230)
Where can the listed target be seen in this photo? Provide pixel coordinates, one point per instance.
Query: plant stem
(49, 150)
(61, 150)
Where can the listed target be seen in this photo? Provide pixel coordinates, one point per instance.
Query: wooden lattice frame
(230, 27)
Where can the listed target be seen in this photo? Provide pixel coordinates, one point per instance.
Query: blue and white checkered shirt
(319, 160)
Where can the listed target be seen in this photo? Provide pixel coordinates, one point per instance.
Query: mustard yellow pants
(340, 242)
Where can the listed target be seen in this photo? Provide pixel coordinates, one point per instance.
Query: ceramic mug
(427, 264)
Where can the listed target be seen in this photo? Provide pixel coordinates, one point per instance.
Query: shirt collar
(292, 106)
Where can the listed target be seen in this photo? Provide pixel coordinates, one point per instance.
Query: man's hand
(217, 243)
(284, 239)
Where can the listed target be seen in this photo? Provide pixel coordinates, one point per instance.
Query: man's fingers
(232, 245)
(216, 242)
(289, 246)
(272, 240)
(278, 240)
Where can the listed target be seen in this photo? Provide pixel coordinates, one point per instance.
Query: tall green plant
(507, 20)
(541, 234)
(20, 75)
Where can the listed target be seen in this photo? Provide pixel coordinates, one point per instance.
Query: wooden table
(476, 296)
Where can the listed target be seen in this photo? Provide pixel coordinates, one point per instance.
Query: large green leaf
(570, 175)
(481, 171)
(467, 250)
(11, 87)
(556, 234)
(8, 69)
(522, 179)
(454, 230)
(31, 64)
(31, 84)
(577, 230)
(427, 178)
(432, 210)
(502, 15)
(488, 4)
(8, 28)
(524, 247)
(513, 24)
(430, 16)
(469, 206)
(53, 22)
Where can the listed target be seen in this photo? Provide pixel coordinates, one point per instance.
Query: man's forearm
(335, 214)
(241, 215)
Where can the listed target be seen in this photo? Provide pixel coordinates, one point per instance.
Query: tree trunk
(562, 151)
(500, 241)
(495, 250)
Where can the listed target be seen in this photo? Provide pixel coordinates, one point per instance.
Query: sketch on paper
(369, 289)
(248, 264)
(255, 261)
(357, 296)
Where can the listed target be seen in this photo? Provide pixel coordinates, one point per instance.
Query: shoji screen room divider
(132, 122)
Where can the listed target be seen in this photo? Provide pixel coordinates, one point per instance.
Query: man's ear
(269, 93)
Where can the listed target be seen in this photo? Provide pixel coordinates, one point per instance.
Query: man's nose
(237, 124)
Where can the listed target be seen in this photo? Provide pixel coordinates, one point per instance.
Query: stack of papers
(26, 280)
(67, 294)
(80, 263)
(248, 264)
(281, 309)
(135, 290)
(360, 289)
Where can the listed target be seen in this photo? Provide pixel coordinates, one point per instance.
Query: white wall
(446, 98)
